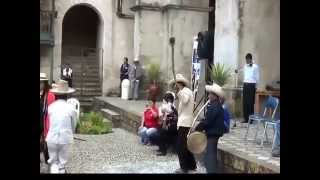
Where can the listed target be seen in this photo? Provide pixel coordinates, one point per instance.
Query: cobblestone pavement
(117, 152)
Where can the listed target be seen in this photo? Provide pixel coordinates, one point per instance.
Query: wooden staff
(196, 117)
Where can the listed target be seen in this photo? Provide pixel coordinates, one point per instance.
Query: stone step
(86, 80)
(107, 122)
(111, 115)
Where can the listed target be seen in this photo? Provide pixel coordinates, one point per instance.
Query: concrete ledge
(169, 7)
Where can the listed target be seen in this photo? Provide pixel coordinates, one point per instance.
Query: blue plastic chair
(271, 103)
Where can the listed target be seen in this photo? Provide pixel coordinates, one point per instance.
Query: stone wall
(244, 26)
(115, 37)
(45, 59)
(260, 35)
(153, 28)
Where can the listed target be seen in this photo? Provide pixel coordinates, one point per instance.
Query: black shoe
(275, 152)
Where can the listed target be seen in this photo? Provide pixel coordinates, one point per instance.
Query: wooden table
(261, 95)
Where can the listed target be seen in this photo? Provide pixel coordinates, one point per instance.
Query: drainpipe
(211, 22)
(119, 12)
(52, 34)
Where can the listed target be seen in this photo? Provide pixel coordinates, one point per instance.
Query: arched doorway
(81, 48)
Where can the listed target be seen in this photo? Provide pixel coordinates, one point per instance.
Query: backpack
(226, 119)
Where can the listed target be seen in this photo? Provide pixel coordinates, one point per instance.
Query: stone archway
(82, 48)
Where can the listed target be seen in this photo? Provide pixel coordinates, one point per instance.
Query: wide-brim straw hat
(197, 142)
(61, 87)
(216, 89)
(43, 77)
(179, 78)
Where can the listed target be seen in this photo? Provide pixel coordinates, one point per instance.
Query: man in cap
(62, 126)
(213, 125)
(135, 76)
(185, 118)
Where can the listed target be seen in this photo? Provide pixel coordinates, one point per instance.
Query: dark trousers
(44, 148)
(249, 92)
(165, 138)
(210, 157)
(186, 158)
(69, 80)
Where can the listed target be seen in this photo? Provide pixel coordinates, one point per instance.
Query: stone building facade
(144, 27)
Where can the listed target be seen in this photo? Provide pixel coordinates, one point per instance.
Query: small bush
(92, 123)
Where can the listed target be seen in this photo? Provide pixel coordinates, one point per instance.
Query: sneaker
(180, 171)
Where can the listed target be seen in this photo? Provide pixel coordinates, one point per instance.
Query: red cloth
(50, 99)
(151, 117)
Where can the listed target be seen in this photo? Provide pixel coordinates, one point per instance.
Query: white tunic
(62, 122)
(185, 110)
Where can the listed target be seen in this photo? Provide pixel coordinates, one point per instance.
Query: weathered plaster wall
(226, 38)
(154, 28)
(244, 26)
(104, 10)
(184, 25)
(122, 42)
(260, 35)
(45, 60)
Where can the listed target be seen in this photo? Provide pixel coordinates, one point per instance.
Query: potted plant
(221, 74)
(154, 80)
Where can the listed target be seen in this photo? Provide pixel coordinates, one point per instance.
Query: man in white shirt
(61, 127)
(185, 118)
(250, 81)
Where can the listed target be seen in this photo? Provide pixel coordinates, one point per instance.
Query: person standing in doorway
(250, 81)
(185, 117)
(213, 125)
(67, 74)
(124, 71)
(135, 76)
(62, 126)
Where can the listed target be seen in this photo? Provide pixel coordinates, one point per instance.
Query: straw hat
(180, 78)
(197, 142)
(61, 87)
(216, 89)
(43, 77)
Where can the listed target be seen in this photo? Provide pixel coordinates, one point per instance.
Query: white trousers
(58, 157)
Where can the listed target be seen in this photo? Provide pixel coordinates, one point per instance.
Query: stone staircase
(86, 78)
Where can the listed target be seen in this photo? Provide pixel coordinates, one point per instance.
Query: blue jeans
(277, 140)
(210, 157)
(145, 134)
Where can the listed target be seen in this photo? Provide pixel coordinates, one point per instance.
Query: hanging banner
(195, 65)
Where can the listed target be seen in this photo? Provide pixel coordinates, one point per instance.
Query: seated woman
(149, 124)
(168, 132)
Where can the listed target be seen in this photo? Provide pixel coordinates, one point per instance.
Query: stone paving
(235, 143)
(121, 152)
(117, 152)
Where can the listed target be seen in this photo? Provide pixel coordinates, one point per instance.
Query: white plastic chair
(76, 105)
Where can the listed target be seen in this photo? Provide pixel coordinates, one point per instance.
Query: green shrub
(92, 123)
(220, 74)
